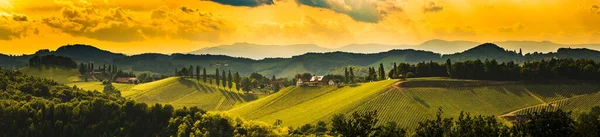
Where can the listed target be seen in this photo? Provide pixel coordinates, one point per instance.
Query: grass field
(181, 92)
(99, 87)
(58, 74)
(412, 101)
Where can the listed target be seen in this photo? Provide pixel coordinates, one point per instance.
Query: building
(130, 80)
(300, 82)
(331, 82)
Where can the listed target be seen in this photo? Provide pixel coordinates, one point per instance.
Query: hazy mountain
(446, 47)
(255, 51)
(541, 46)
(371, 48)
(485, 51)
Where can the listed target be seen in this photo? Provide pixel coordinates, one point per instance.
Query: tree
(237, 80)
(229, 80)
(246, 84)
(224, 79)
(520, 52)
(547, 123)
(198, 73)
(190, 72)
(204, 75)
(217, 77)
(351, 75)
(360, 124)
(448, 67)
(82, 69)
(346, 75)
(381, 72)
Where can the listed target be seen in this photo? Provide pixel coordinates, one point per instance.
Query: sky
(180, 26)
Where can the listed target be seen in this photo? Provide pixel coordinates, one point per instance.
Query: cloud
(14, 26)
(190, 24)
(371, 11)
(512, 28)
(432, 7)
(120, 25)
(595, 9)
(248, 3)
(308, 29)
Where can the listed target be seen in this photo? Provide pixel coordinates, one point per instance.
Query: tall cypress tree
(191, 71)
(351, 75)
(224, 80)
(449, 67)
(346, 75)
(381, 72)
(198, 73)
(229, 80)
(217, 77)
(237, 79)
(204, 75)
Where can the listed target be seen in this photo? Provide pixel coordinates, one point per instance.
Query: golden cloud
(120, 25)
(14, 26)
(371, 11)
(432, 7)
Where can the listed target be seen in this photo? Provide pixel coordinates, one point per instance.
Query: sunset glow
(139, 26)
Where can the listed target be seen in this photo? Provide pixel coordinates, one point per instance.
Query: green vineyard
(416, 100)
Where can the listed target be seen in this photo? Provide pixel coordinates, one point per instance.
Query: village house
(129, 80)
(314, 81)
(300, 82)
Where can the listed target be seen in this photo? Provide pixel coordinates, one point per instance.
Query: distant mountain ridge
(316, 63)
(256, 51)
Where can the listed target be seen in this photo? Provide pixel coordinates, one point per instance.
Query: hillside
(58, 74)
(408, 102)
(97, 86)
(315, 63)
(181, 92)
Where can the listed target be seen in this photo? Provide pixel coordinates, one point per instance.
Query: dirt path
(536, 97)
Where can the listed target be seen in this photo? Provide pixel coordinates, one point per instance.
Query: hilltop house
(300, 82)
(129, 80)
(314, 81)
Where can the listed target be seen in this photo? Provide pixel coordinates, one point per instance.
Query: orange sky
(163, 26)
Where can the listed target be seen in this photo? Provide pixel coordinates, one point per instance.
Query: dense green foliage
(52, 60)
(580, 69)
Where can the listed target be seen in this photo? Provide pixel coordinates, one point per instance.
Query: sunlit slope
(410, 102)
(58, 74)
(99, 87)
(181, 92)
(299, 105)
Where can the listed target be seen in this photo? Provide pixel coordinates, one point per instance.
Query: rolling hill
(59, 74)
(408, 102)
(315, 63)
(181, 92)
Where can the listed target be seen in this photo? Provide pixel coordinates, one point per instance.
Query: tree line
(580, 69)
(52, 60)
(230, 80)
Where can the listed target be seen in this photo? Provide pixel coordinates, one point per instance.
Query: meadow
(59, 74)
(180, 92)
